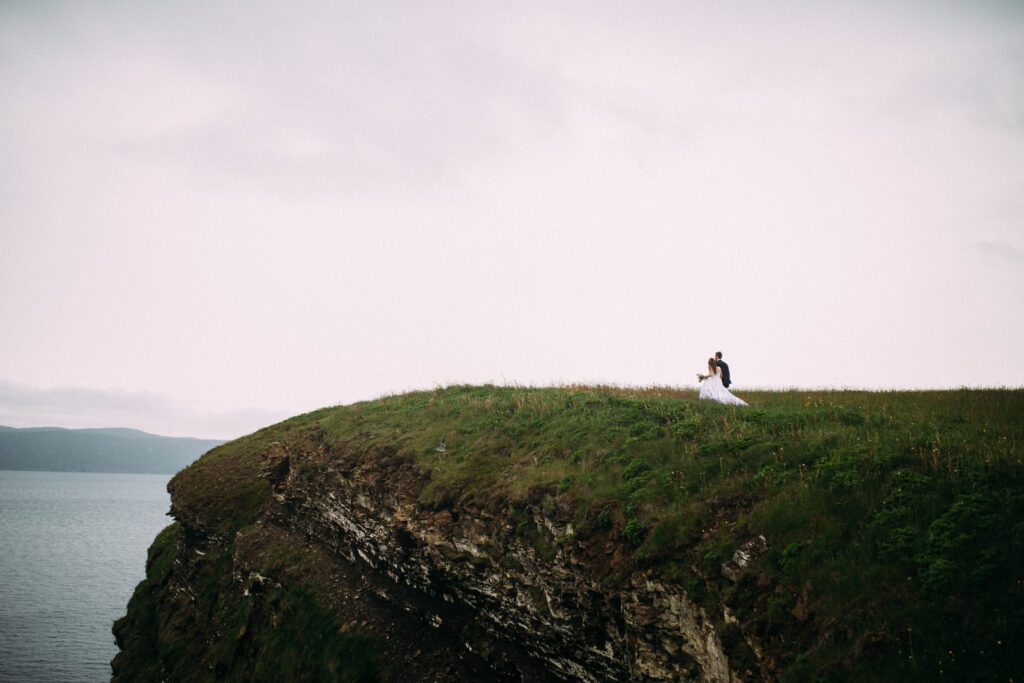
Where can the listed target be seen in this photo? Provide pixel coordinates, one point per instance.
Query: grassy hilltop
(894, 520)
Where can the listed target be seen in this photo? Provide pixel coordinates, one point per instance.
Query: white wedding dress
(712, 389)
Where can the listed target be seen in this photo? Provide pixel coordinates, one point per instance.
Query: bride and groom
(715, 385)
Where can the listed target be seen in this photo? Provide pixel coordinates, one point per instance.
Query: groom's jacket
(725, 373)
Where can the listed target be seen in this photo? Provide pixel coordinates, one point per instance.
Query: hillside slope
(598, 534)
(54, 449)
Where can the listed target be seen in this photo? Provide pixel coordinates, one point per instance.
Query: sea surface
(72, 548)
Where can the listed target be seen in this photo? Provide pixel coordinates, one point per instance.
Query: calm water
(72, 547)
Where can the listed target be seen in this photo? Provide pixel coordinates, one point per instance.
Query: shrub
(634, 532)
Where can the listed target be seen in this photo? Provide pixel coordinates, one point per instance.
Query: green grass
(894, 519)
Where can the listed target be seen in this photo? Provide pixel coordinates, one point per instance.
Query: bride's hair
(711, 365)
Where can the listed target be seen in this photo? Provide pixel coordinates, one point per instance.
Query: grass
(894, 520)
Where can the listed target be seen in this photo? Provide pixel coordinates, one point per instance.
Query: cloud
(1001, 251)
(339, 111)
(76, 407)
(320, 204)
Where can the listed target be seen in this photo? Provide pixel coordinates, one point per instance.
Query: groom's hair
(718, 355)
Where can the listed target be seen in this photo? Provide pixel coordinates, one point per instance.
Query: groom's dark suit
(725, 372)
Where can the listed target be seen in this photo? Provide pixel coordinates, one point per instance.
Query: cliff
(596, 534)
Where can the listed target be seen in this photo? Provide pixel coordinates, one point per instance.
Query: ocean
(72, 548)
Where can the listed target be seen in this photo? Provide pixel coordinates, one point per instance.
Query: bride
(712, 388)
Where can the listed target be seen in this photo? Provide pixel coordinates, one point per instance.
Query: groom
(725, 369)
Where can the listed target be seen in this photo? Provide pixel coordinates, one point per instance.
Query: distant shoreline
(108, 451)
(144, 474)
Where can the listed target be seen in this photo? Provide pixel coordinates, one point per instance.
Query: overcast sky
(214, 215)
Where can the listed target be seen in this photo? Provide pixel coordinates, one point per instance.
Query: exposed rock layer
(535, 612)
(448, 593)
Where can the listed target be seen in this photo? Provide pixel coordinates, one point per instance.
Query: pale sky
(214, 215)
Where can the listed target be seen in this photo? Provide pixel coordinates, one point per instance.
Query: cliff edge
(597, 534)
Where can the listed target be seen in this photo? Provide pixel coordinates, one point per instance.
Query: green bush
(633, 532)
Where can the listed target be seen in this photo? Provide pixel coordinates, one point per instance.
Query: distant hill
(97, 450)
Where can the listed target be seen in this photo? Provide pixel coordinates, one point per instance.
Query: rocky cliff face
(538, 616)
(440, 593)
